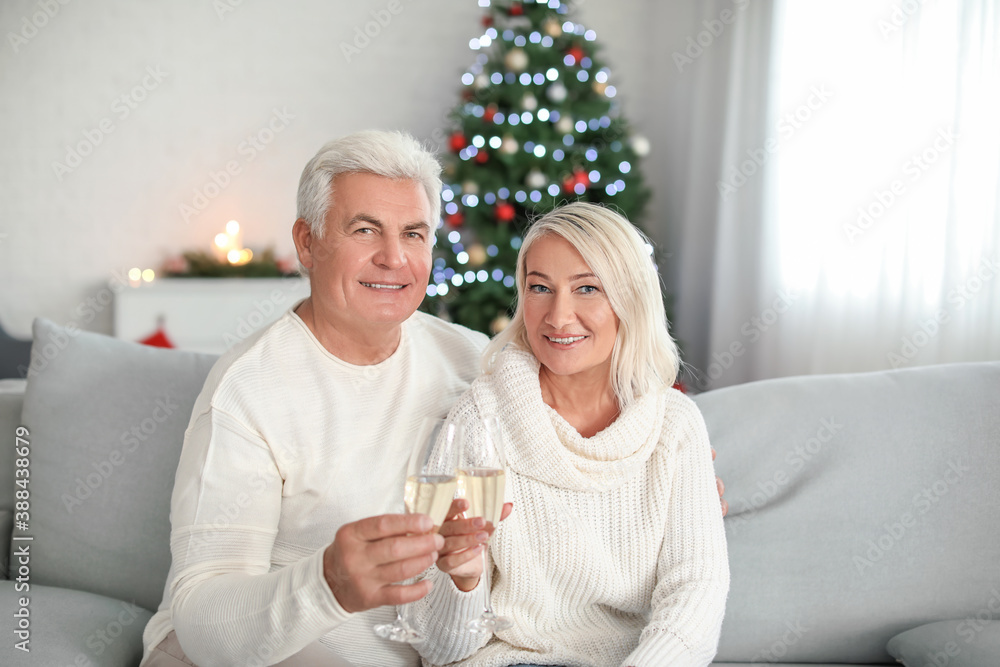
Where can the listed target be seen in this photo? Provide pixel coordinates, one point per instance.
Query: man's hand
(722, 489)
(461, 556)
(368, 557)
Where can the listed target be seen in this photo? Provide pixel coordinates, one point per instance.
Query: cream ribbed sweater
(286, 444)
(615, 553)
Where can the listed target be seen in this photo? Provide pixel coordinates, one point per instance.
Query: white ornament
(640, 145)
(516, 60)
(509, 145)
(470, 188)
(535, 179)
(529, 102)
(564, 124)
(556, 92)
(552, 27)
(480, 82)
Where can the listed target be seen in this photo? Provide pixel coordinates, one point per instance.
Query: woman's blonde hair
(644, 357)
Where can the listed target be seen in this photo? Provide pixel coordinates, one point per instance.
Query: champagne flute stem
(487, 605)
(402, 613)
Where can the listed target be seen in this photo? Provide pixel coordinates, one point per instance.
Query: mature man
(302, 433)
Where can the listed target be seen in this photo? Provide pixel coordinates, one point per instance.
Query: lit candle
(229, 242)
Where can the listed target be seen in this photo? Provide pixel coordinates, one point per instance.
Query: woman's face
(570, 324)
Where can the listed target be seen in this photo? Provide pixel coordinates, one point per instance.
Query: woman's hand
(464, 541)
(722, 489)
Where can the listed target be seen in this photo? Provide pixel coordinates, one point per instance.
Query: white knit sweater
(286, 444)
(615, 553)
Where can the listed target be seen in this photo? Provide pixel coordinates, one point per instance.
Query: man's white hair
(644, 357)
(394, 155)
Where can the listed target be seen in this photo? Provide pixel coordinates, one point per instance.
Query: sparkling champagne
(483, 488)
(430, 495)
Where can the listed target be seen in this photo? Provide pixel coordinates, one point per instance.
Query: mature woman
(615, 553)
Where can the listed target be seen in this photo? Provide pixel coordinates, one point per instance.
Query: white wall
(64, 237)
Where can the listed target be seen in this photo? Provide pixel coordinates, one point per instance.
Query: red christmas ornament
(504, 212)
(577, 53)
(578, 177)
(482, 156)
(489, 112)
(487, 21)
(457, 141)
(516, 9)
(456, 219)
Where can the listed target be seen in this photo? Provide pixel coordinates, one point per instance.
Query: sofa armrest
(11, 400)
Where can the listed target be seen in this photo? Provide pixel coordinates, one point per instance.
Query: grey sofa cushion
(860, 505)
(966, 642)
(74, 628)
(107, 421)
(11, 400)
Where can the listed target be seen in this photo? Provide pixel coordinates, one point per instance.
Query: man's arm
(227, 607)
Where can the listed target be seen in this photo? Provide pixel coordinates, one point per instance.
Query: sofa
(864, 521)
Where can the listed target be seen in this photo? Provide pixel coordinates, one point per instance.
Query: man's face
(372, 265)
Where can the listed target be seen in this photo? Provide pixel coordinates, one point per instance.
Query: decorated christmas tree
(537, 126)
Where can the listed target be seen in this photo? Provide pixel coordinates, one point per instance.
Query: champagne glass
(429, 489)
(481, 481)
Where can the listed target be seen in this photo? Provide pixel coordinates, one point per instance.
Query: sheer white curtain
(717, 67)
(857, 210)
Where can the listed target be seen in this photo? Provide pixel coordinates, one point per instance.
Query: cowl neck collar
(545, 447)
